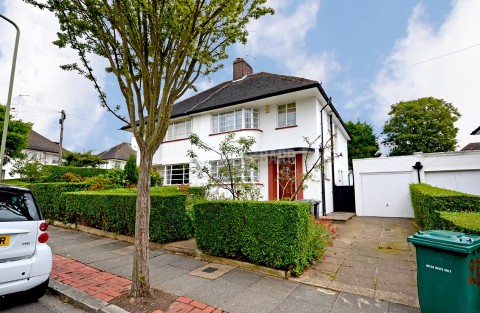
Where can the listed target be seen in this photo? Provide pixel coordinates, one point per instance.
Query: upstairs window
(234, 120)
(179, 130)
(287, 115)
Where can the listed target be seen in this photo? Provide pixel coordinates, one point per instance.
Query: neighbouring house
(116, 157)
(276, 110)
(39, 149)
(382, 184)
(473, 146)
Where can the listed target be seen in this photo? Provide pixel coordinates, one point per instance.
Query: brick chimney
(241, 68)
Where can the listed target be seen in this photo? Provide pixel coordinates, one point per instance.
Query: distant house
(39, 149)
(117, 156)
(473, 146)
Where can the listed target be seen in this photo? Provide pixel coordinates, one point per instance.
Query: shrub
(117, 175)
(429, 201)
(155, 178)
(466, 222)
(114, 210)
(131, 170)
(197, 192)
(71, 178)
(29, 170)
(276, 234)
(53, 173)
(48, 198)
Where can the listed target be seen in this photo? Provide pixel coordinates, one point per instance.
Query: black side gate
(344, 199)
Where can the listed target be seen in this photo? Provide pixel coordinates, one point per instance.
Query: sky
(368, 55)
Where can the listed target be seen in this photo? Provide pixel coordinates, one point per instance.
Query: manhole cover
(210, 270)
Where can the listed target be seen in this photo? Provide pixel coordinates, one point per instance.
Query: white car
(25, 257)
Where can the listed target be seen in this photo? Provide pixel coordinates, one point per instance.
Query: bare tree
(231, 170)
(312, 166)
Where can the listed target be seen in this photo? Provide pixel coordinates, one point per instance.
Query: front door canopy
(288, 152)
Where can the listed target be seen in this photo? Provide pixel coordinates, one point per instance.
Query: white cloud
(283, 39)
(38, 75)
(453, 78)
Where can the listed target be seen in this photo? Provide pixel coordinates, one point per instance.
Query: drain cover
(210, 270)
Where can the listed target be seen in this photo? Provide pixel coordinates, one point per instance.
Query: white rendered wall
(268, 137)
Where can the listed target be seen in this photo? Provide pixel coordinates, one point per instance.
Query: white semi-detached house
(276, 110)
(39, 149)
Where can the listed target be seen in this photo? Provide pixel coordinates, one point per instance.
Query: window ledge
(284, 127)
(237, 130)
(173, 140)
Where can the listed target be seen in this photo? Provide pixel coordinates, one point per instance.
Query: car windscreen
(17, 207)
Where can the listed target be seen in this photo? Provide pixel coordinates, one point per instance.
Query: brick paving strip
(106, 286)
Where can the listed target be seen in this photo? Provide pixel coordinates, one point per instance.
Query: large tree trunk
(140, 274)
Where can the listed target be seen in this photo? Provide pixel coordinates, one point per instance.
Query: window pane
(282, 119)
(248, 118)
(188, 128)
(238, 120)
(255, 118)
(215, 123)
(282, 115)
(291, 118)
(168, 175)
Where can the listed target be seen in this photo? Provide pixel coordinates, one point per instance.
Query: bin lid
(446, 240)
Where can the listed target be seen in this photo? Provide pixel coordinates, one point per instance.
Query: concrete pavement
(214, 285)
(370, 257)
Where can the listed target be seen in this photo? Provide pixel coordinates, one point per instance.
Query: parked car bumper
(41, 266)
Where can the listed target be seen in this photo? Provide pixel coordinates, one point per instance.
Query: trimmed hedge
(197, 192)
(466, 222)
(49, 200)
(276, 234)
(114, 211)
(429, 201)
(53, 173)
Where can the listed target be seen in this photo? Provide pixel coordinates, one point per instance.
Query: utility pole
(61, 122)
(9, 99)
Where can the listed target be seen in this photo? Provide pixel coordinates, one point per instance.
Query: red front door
(286, 178)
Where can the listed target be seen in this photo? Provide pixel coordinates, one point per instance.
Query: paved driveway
(370, 257)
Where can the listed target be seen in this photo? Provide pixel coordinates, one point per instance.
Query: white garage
(382, 184)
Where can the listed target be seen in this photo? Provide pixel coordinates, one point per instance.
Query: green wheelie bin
(448, 273)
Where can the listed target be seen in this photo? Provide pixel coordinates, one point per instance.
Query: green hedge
(276, 234)
(466, 222)
(429, 201)
(197, 192)
(53, 173)
(114, 211)
(49, 200)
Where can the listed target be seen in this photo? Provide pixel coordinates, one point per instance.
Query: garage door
(463, 181)
(386, 194)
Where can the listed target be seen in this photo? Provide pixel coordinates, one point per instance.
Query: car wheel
(37, 292)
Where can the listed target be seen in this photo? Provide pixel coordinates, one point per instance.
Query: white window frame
(287, 115)
(245, 118)
(250, 175)
(179, 130)
(183, 174)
